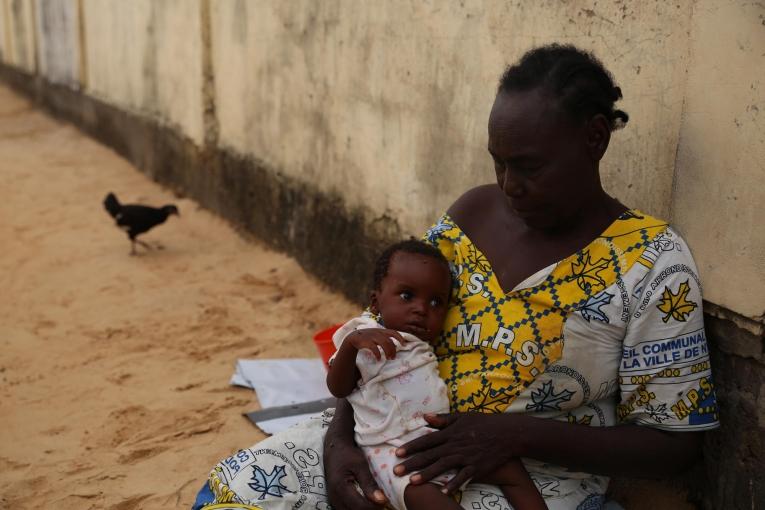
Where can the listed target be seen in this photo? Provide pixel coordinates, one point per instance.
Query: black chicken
(137, 219)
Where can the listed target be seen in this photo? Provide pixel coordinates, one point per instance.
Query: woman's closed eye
(499, 166)
(519, 166)
(529, 169)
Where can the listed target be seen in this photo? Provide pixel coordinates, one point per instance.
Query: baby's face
(414, 295)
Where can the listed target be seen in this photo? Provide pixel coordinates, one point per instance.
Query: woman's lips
(524, 213)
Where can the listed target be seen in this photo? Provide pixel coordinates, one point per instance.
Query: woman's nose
(511, 184)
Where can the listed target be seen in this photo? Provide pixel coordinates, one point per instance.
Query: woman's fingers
(348, 497)
(369, 487)
(461, 478)
(440, 421)
(345, 495)
(440, 466)
(422, 461)
(425, 442)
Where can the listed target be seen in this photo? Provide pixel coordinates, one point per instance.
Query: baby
(386, 367)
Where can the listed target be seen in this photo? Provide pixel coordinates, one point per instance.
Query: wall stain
(149, 60)
(239, 22)
(211, 126)
(19, 35)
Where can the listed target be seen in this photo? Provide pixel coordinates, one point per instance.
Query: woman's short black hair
(409, 246)
(580, 82)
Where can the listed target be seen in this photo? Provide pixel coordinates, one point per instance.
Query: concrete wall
(720, 173)
(389, 109)
(313, 123)
(145, 56)
(58, 39)
(19, 34)
(4, 44)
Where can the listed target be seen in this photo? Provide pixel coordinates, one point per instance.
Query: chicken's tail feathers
(112, 204)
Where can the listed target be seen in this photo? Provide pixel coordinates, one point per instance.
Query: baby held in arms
(386, 367)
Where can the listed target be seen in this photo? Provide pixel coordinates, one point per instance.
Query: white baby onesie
(390, 401)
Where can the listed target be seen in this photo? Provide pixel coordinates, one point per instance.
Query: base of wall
(314, 229)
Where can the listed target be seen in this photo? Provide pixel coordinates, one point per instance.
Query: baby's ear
(373, 303)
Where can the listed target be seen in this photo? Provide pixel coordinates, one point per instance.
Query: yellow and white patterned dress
(611, 334)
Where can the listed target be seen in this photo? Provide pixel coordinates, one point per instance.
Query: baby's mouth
(416, 329)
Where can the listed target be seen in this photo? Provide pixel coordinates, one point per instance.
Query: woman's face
(542, 159)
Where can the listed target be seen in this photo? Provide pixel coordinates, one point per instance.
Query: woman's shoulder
(474, 203)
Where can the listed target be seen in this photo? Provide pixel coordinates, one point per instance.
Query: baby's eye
(406, 295)
(435, 302)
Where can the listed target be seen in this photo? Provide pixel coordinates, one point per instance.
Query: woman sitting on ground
(574, 338)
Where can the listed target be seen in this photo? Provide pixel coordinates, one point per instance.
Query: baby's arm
(517, 486)
(343, 373)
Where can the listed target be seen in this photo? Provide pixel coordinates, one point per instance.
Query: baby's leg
(517, 486)
(428, 496)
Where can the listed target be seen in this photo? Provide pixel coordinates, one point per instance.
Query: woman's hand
(473, 444)
(372, 338)
(346, 468)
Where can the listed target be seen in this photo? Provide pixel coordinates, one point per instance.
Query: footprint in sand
(8, 464)
(130, 503)
(55, 430)
(187, 387)
(119, 379)
(142, 453)
(254, 281)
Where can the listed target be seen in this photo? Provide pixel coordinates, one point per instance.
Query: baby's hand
(372, 338)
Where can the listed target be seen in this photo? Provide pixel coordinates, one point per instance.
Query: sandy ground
(114, 369)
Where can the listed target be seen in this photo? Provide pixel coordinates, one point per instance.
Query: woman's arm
(475, 444)
(345, 466)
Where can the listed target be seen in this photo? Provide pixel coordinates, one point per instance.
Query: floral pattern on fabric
(494, 344)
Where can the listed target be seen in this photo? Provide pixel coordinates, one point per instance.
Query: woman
(568, 306)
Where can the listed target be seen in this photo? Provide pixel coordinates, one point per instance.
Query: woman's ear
(598, 133)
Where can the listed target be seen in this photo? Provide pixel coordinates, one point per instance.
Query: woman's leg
(278, 473)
